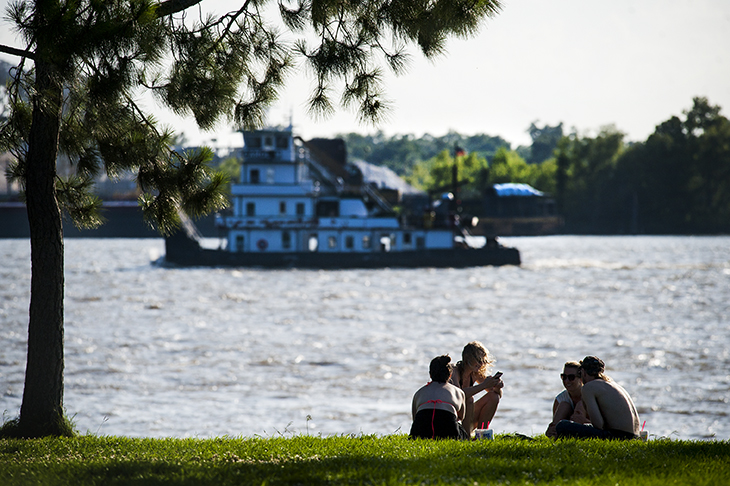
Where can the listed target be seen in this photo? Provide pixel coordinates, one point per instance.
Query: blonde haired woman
(471, 375)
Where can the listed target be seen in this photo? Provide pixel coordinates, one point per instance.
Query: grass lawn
(91, 460)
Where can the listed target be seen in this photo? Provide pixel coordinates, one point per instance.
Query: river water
(157, 352)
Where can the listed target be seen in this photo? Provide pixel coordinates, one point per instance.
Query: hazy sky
(586, 63)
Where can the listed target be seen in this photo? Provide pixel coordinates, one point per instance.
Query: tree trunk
(41, 413)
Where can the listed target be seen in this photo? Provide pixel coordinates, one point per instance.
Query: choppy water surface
(208, 352)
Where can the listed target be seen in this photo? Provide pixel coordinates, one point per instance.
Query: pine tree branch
(170, 7)
(17, 52)
(233, 18)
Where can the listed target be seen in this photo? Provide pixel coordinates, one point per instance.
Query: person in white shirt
(568, 405)
(438, 407)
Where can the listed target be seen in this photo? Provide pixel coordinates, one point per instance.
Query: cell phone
(497, 375)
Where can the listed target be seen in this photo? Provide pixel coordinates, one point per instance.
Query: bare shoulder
(601, 387)
(455, 377)
(593, 387)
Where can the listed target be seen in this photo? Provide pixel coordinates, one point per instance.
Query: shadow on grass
(516, 462)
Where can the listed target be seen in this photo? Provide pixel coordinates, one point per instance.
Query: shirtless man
(610, 408)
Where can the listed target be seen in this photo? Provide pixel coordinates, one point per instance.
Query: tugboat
(300, 204)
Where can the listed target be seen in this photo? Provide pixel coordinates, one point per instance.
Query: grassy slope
(360, 460)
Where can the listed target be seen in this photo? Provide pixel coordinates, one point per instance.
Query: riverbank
(390, 460)
(123, 219)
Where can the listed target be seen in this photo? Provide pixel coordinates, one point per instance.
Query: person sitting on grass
(471, 376)
(612, 412)
(568, 405)
(439, 406)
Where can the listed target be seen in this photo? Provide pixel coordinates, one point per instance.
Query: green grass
(91, 460)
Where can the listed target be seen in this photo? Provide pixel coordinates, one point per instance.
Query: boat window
(385, 243)
(282, 207)
(313, 242)
(300, 209)
(255, 176)
(328, 208)
(286, 240)
(332, 242)
(239, 242)
(366, 242)
(349, 242)
(250, 209)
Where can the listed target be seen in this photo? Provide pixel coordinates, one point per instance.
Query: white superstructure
(289, 200)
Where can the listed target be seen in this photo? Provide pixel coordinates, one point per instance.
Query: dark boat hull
(182, 251)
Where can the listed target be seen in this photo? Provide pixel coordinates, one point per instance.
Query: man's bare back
(610, 407)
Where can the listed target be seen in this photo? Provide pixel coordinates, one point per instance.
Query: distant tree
(677, 181)
(361, 146)
(562, 162)
(524, 151)
(680, 177)
(437, 174)
(484, 145)
(402, 152)
(4, 100)
(5, 68)
(476, 175)
(544, 141)
(398, 153)
(587, 168)
(91, 60)
(708, 134)
(470, 173)
(231, 168)
(507, 166)
(543, 176)
(419, 176)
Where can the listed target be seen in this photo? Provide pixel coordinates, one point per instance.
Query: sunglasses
(569, 377)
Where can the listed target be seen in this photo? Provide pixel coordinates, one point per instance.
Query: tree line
(677, 181)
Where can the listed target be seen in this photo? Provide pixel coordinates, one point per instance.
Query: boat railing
(377, 197)
(337, 182)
